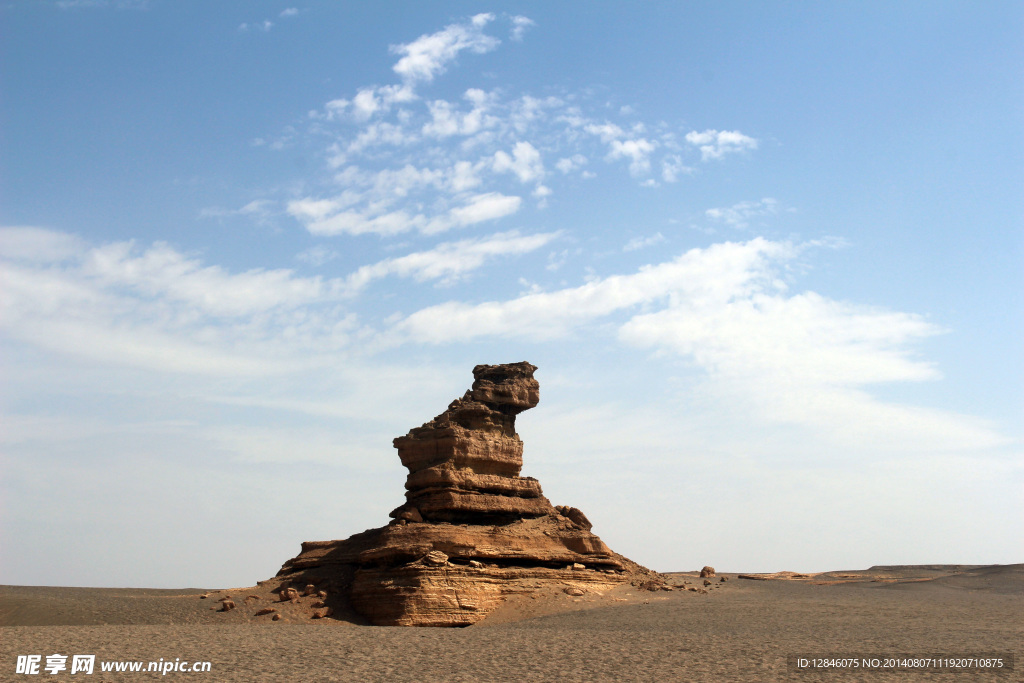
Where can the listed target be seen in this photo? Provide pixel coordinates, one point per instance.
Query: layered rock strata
(472, 531)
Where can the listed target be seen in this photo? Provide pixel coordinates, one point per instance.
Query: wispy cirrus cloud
(642, 242)
(450, 261)
(261, 210)
(740, 214)
(263, 26)
(488, 150)
(519, 26)
(159, 308)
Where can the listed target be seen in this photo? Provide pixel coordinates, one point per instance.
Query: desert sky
(766, 256)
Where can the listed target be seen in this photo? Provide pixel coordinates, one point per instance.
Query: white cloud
(164, 272)
(429, 55)
(714, 144)
(519, 26)
(641, 242)
(525, 162)
(317, 256)
(721, 271)
(479, 208)
(157, 308)
(671, 167)
(446, 121)
(258, 209)
(360, 223)
(450, 260)
(289, 12)
(38, 245)
(569, 164)
(637, 151)
(530, 111)
(314, 209)
(608, 132)
(264, 26)
(468, 145)
(739, 215)
(788, 358)
(368, 206)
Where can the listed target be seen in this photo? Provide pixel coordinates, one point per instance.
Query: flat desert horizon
(730, 627)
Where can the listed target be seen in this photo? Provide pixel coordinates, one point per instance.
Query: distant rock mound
(472, 531)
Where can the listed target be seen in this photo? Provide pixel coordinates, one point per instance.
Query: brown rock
(227, 605)
(706, 572)
(435, 558)
(707, 582)
(574, 591)
(472, 531)
(310, 589)
(289, 594)
(266, 610)
(576, 515)
(409, 514)
(276, 617)
(723, 579)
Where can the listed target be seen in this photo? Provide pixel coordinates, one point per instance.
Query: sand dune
(738, 631)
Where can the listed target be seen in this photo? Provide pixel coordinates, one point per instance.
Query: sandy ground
(739, 630)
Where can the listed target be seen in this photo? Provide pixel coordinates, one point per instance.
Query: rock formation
(471, 531)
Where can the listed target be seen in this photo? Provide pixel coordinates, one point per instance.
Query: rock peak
(471, 531)
(509, 388)
(464, 464)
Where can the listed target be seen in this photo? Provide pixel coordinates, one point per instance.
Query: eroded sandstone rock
(472, 531)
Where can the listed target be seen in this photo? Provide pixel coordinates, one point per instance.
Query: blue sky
(767, 258)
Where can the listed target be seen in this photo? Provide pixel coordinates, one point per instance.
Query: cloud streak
(158, 308)
(739, 215)
(429, 55)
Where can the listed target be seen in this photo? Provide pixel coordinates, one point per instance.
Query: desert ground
(740, 629)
